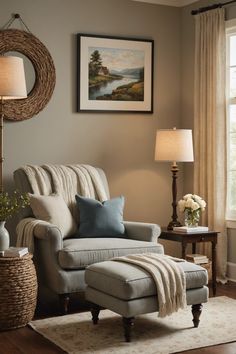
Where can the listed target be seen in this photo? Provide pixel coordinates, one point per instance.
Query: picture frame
(114, 74)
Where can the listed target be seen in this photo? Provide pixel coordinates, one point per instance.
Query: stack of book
(14, 252)
(186, 229)
(197, 258)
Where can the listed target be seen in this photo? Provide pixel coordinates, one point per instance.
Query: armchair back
(24, 185)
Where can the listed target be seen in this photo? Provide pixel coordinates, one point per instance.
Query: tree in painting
(95, 63)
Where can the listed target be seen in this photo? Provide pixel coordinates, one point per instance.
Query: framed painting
(114, 74)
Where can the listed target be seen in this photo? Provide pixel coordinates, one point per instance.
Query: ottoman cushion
(127, 281)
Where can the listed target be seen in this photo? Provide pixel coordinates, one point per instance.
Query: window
(231, 118)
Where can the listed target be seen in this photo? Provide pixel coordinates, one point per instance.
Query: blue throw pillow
(100, 219)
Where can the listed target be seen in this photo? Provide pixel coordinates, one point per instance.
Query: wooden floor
(26, 341)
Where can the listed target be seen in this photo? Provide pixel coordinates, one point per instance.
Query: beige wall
(187, 75)
(122, 144)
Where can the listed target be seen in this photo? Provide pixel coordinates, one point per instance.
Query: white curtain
(210, 126)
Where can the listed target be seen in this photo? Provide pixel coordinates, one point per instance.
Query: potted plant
(9, 205)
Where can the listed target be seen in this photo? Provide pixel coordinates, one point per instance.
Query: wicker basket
(18, 291)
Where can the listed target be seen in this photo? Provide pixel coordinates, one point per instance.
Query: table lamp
(174, 145)
(12, 87)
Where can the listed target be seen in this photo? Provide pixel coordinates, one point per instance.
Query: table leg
(184, 249)
(213, 250)
(194, 247)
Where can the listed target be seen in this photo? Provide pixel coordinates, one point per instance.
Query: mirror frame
(45, 75)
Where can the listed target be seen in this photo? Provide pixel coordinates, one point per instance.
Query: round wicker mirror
(45, 76)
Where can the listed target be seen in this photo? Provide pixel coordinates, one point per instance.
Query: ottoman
(129, 290)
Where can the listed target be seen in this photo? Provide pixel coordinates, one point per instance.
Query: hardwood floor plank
(228, 348)
(6, 346)
(27, 341)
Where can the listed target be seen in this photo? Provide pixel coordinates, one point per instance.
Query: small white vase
(4, 237)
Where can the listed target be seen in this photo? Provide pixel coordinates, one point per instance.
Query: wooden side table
(194, 238)
(18, 291)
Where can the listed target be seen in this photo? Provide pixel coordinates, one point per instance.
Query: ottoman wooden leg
(95, 312)
(128, 323)
(196, 311)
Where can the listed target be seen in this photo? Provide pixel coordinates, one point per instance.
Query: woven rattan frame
(45, 76)
(18, 291)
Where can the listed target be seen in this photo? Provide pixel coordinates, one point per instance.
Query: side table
(194, 238)
(18, 291)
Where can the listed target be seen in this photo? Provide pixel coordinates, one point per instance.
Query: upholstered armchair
(61, 261)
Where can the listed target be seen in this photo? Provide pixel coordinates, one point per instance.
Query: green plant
(11, 204)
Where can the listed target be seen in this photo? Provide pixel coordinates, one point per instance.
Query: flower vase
(4, 237)
(191, 218)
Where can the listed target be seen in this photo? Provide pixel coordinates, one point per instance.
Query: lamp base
(172, 224)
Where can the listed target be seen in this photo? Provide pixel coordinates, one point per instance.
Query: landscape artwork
(114, 74)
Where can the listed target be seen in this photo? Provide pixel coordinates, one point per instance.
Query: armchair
(61, 262)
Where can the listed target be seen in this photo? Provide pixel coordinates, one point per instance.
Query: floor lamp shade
(174, 145)
(12, 78)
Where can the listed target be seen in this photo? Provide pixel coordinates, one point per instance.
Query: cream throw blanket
(66, 181)
(25, 232)
(168, 276)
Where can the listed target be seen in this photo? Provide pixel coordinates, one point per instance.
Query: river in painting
(108, 87)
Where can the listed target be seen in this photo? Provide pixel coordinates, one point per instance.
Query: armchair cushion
(53, 209)
(79, 253)
(100, 219)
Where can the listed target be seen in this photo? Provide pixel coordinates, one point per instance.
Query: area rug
(76, 333)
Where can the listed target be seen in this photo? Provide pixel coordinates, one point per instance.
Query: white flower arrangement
(191, 202)
(192, 205)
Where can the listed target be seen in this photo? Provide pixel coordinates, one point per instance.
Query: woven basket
(18, 291)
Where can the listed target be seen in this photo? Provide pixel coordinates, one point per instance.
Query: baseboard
(231, 271)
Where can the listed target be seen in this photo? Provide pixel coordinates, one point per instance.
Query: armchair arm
(48, 243)
(142, 231)
(51, 234)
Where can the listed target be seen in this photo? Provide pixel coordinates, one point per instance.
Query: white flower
(187, 196)
(195, 206)
(189, 203)
(196, 197)
(200, 201)
(192, 202)
(181, 205)
(202, 204)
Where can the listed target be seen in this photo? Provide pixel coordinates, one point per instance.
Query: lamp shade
(174, 145)
(12, 78)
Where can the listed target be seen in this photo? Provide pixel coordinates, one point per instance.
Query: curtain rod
(211, 7)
